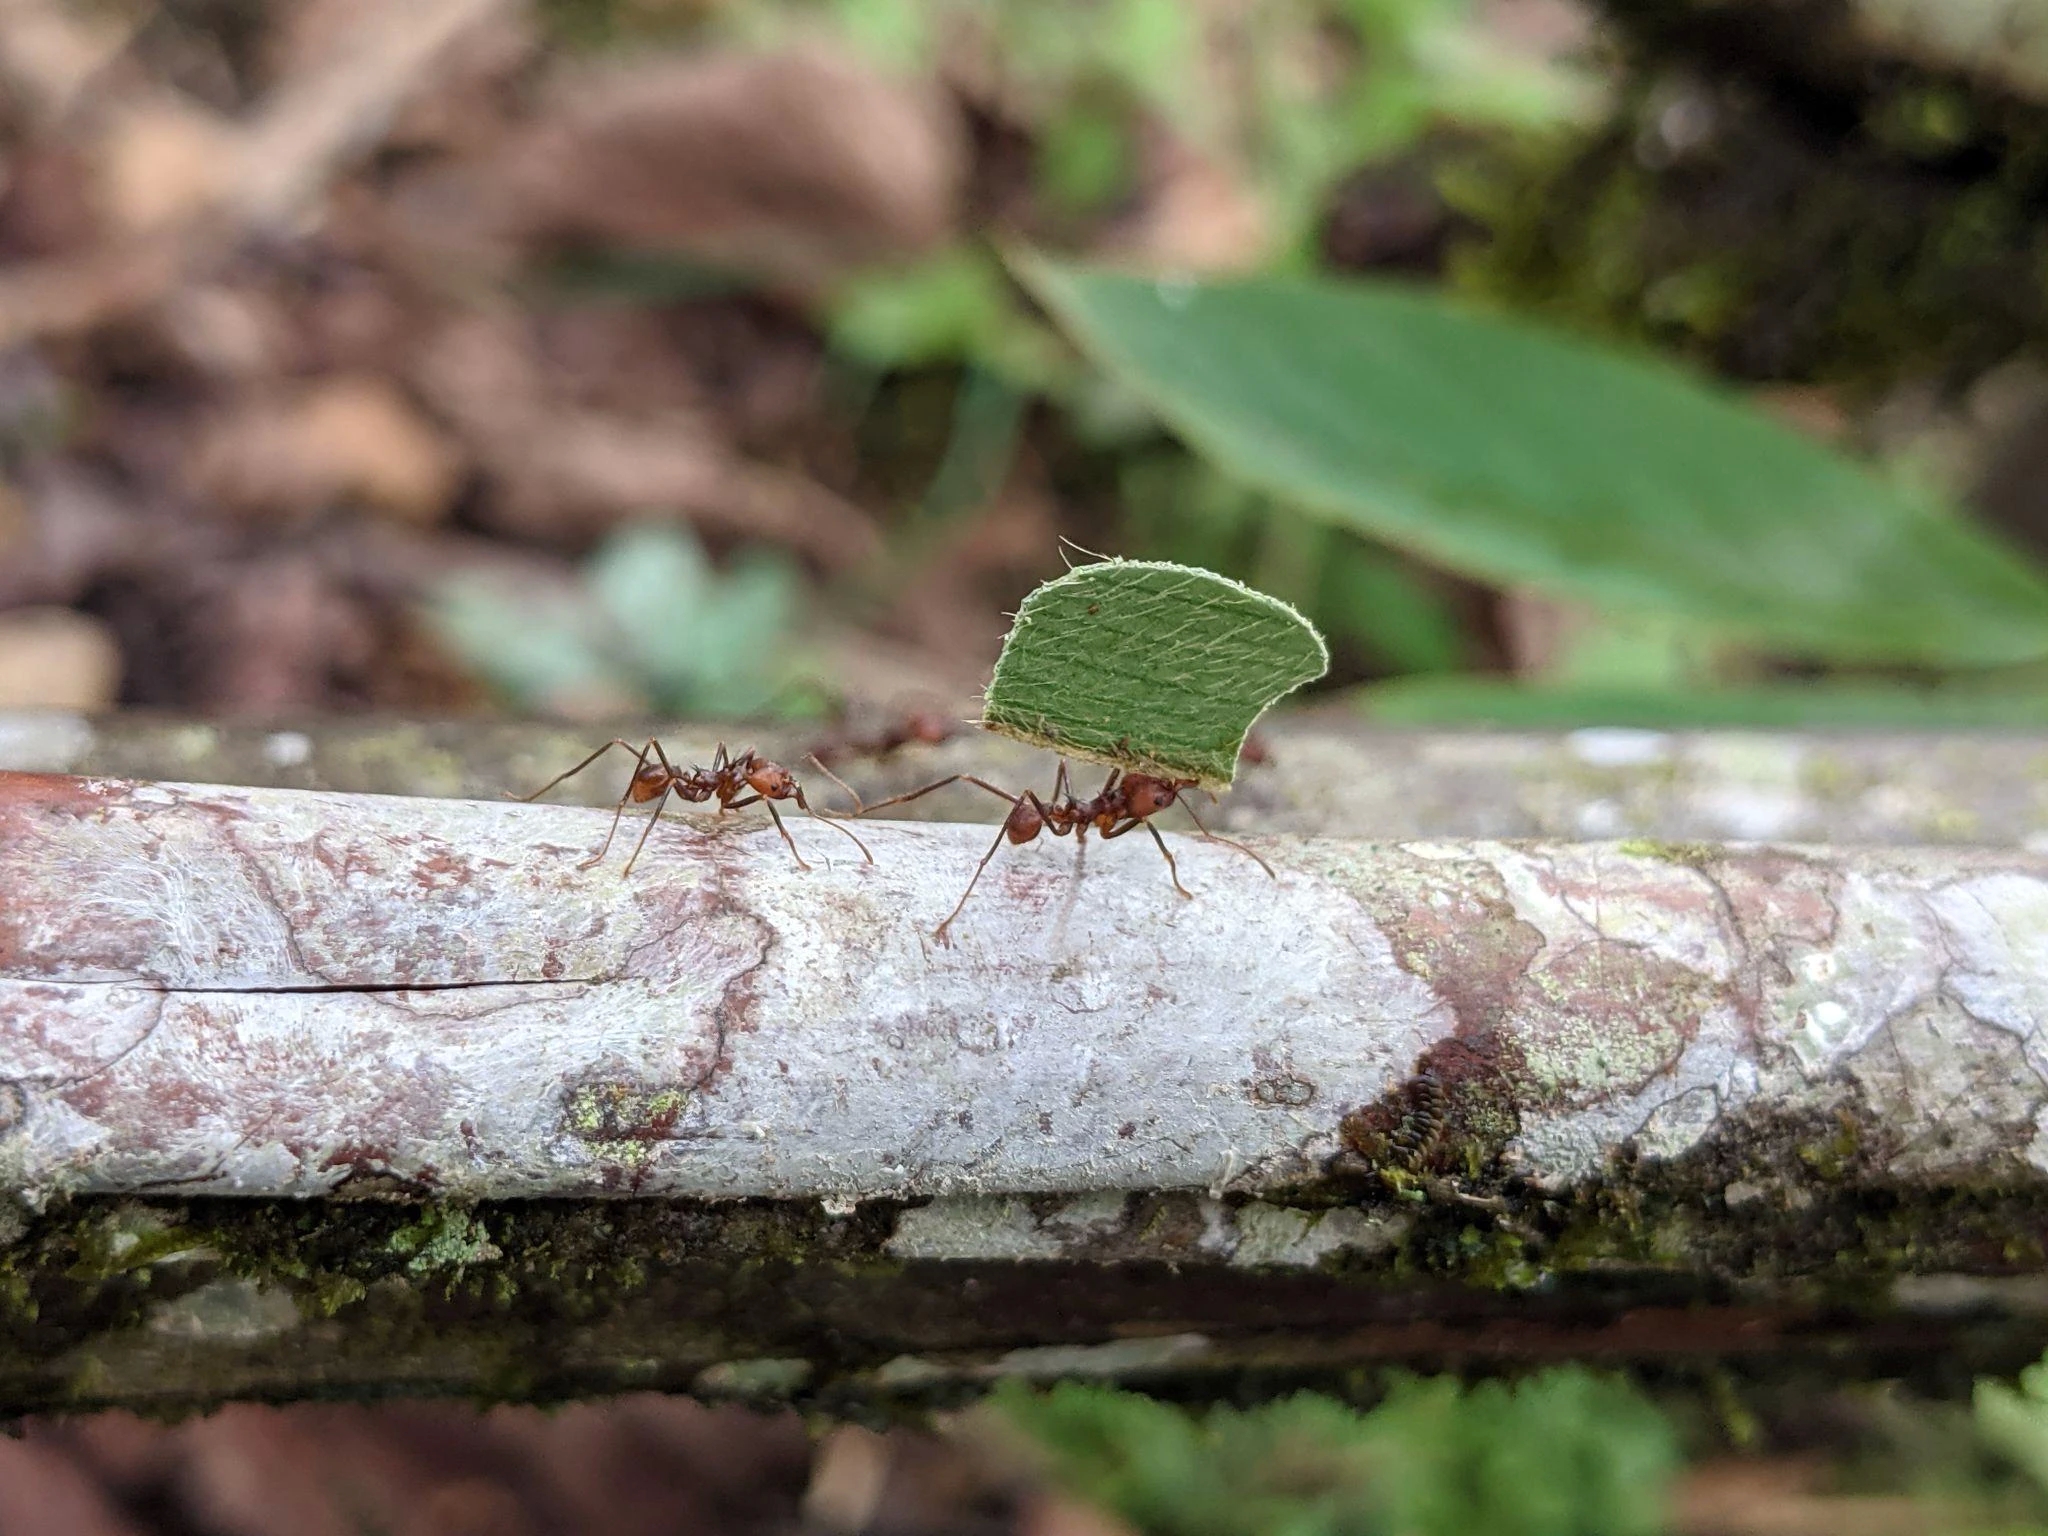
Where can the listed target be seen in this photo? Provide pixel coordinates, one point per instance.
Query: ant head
(771, 781)
(1148, 796)
(649, 780)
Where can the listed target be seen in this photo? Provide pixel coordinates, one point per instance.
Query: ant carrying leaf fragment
(1126, 802)
(1156, 670)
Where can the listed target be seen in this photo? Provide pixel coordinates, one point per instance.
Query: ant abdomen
(1023, 823)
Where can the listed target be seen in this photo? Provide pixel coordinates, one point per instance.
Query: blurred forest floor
(616, 356)
(606, 358)
(659, 1466)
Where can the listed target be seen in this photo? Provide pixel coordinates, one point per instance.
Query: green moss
(1833, 1153)
(543, 1300)
(444, 1240)
(1692, 855)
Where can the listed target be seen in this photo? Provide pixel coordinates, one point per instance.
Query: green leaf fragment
(1148, 666)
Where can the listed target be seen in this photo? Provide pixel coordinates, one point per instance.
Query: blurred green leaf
(540, 652)
(1791, 706)
(651, 618)
(1156, 667)
(1184, 509)
(1085, 159)
(988, 417)
(1520, 456)
(2015, 1420)
(1565, 1453)
(955, 307)
(1370, 595)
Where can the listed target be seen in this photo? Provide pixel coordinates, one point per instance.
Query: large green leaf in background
(1155, 667)
(1521, 456)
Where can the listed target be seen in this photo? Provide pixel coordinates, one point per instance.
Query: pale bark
(265, 992)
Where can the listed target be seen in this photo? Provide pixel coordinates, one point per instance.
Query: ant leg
(597, 858)
(777, 818)
(995, 847)
(1227, 842)
(619, 810)
(639, 754)
(851, 793)
(1172, 869)
(805, 806)
(644, 833)
(1132, 825)
(958, 778)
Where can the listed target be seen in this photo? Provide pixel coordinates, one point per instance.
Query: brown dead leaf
(1538, 630)
(159, 163)
(1817, 412)
(14, 521)
(229, 332)
(562, 471)
(1200, 216)
(52, 658)
(1785, 1498)
(45, 1495)
(344, 439)
(51, 52)
(283, 632)
(465, 110)
(1051, 1515)
(795, 166)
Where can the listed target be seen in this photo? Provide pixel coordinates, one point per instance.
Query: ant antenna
(817, 762)
(830, 821)
(1081, 549)
(1228, 842)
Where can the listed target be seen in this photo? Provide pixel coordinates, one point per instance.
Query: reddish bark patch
(25, 799)
(1778, 898)
(441, 871)
(62, 793)
(368, 1174)
(1604, 1018)
(1452, 925)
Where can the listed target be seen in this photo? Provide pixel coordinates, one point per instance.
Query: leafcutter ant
(734, 780)
(1126, 802)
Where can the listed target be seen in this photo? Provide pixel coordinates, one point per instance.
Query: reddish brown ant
(735, 780)
(1126, 802)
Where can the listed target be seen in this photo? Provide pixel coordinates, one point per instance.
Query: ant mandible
(735, 780)
(1126, 802)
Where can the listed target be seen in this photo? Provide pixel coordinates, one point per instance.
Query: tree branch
(1403, 1085)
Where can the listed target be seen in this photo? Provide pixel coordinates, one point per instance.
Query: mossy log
(335, 1093)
